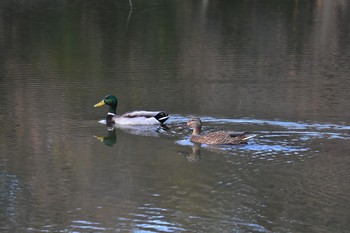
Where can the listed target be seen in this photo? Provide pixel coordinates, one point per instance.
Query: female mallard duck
(219, 137)
(130, 118)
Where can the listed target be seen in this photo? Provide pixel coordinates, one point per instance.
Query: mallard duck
(131, 118)
(219, 137)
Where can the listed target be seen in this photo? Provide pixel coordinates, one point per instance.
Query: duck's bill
(99, 104)
(99, 138)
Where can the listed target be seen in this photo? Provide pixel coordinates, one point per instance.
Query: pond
(278, 69)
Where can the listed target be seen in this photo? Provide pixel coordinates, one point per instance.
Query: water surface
(276, 69)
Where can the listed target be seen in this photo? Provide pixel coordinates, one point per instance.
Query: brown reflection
(263, 59)
(195, 155)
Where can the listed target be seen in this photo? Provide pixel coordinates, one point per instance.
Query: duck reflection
(149, 130)
(196, 153)
(140, 130)
(110, 139)
(9, 188)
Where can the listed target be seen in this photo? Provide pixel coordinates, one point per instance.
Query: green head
(111, 101)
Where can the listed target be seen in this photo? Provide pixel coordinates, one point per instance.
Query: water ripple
(87, 225)
(278, 138)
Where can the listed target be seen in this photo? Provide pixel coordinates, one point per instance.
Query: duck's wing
(226, 137)
(158, 115)
(218, 137)
(145, 114)
(236, 134)
(242, 135)
(141, 118)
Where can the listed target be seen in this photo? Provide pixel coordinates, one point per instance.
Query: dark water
(279, 69)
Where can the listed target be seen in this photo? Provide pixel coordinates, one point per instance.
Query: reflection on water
(9, 188)
(195, 154)
(151, 218)
(282, 143)
(110, 139)
(278, 69)
(173, 127)
(278, 139)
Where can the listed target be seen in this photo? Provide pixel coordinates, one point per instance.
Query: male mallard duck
(219, 137)
(130, 118)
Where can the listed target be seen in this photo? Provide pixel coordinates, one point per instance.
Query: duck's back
(141, 118)
(221, 137)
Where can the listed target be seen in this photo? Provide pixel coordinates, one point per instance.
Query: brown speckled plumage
(219, 137)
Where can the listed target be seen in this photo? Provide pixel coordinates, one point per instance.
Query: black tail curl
(162, 117)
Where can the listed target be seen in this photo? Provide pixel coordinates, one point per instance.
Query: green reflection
(110, 139)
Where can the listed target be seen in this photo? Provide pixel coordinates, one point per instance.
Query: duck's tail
(162, 117)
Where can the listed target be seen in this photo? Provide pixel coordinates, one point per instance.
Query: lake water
(279, 69)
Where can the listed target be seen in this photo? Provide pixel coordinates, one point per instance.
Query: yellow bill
(99, 138)
(99, 104)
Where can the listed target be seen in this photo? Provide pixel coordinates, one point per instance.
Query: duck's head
(195, 124)
(111, 101)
